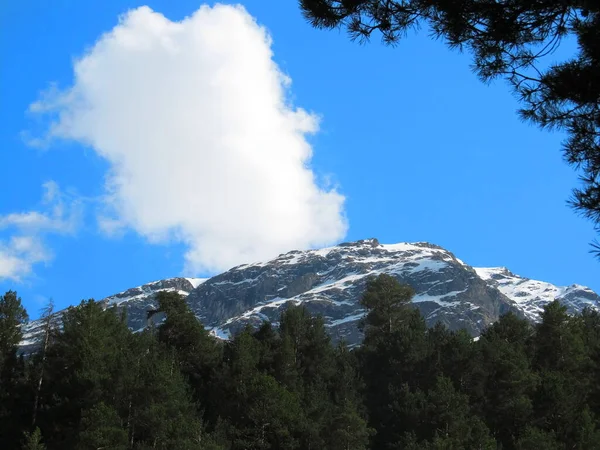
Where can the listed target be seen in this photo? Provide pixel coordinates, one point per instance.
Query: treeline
(93, 384)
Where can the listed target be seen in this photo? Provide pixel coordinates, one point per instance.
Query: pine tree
(270, 343)
(587, 431)
(262, 412)
(439, 419)
(313, 358)
(505, 382)
(33, 441)
(561, 361)
(85, 365)
(589, 322)
(160, 412)
(12, 316)
(453, 423)
(451, 354)
(386, 301)
(535, 439)
(101, 427)
(13, 387)
(196, 354)
(391, 358)
(347, 429)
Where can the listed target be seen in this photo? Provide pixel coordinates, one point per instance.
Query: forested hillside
(94, 384)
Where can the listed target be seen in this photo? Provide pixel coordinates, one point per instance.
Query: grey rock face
(330, 282)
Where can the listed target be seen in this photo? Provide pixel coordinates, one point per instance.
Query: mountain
(531, 295)
(330, 282)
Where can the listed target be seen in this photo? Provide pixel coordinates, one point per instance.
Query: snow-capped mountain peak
(330, 282)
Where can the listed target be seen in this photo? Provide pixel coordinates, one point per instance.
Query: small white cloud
(111, 226)
(18, 256)
(204, 146)
(59, 217)
(25, 247)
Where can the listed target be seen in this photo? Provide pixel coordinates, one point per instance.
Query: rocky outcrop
(330, 282)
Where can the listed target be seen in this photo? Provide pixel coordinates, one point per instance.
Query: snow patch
(351, 318)
(195, 282)
(220, 333)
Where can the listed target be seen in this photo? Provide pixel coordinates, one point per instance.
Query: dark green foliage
(86, 364)
(535, 438)
(195, 353)
(391, 359)
(33, 441)
(348, 430)
(105, 385)
(12, 315)
(446, 414)
(505, 381)
(287, 387)
(510, 39)
(101, 427)
(387, 302)
(409, 400)
(13, 396)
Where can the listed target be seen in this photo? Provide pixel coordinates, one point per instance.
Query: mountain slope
(137, 300)
(531, 295)
(330, 282)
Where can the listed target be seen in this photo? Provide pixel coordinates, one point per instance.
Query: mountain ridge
(330, 281)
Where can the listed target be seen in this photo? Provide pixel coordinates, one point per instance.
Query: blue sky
(189, 155)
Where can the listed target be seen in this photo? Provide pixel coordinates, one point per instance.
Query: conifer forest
(94, 384)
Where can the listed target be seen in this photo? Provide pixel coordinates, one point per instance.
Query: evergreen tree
(386, 301)
(270, 344)
(160, 412)
(101, 427)
(590, 325)
(195, 352)
(440, 418)
(505, 381)
(287, 387)
(85, 364)
(309, 349)
(13, 391)
(451, 354)
(349, 431)
(347, 427)
(263, 414)
(535, 439)
(391, 358)
(559, 343)
(12, 316)
(33, 441)
(560, 359)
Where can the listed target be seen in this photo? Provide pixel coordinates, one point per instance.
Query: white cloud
(25, 246)
(204, 146)
(19, 254)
